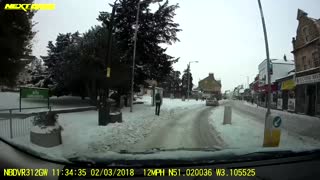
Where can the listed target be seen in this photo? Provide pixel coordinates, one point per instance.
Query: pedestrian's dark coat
(158, 98)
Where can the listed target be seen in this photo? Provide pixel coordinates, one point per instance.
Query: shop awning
(265, 88)
(288, 84)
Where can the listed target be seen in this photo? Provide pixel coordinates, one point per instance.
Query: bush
(45, 119)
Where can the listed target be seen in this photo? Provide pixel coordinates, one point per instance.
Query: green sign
(34, 93)
(277, 121)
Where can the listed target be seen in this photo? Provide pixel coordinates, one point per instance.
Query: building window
(298, 67)
(306, 34)
(316, 59)
(309, 63)
(304, 63)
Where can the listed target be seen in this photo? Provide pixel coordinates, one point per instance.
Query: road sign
(277, 121)
(31, 92)
(34, 93)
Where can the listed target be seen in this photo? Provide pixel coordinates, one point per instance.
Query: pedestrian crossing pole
(267, 127)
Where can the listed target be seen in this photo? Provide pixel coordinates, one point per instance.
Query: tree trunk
(91, 94)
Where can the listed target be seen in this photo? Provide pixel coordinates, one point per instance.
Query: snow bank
(297, 123)
(247, 132)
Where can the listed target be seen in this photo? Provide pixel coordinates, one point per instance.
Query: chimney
(301, 14)
(211, 75)
(293, 42)
(285, 58)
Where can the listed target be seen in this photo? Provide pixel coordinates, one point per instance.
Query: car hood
(188, 156)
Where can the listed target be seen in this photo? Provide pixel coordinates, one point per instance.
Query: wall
(307, 52)
(279, 71)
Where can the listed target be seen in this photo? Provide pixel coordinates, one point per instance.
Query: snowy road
(183, 129)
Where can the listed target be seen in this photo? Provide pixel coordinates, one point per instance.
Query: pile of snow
(247, 132)
(45, 130)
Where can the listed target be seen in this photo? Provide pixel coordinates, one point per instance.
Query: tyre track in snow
(184, 129)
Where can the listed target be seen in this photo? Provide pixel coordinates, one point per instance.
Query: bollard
(227, 115)
(273, 135)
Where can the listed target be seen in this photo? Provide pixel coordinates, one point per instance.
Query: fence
(17, 124)
(14, 127)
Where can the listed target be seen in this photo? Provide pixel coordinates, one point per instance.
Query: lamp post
(267, 127)
(188, 88)
(135, 46)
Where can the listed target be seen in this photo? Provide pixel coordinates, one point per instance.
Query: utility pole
(188, 84)
(135, 47)
(267, 127)
(104, 106)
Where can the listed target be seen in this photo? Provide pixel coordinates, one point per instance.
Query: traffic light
(271, 68)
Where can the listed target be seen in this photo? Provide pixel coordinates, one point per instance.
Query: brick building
(306, 50)
(210, 86)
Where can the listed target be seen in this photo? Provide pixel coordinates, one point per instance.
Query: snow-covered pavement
(82, 135)
(294, 123)
(246, 131)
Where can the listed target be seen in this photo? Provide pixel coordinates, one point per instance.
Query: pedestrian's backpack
(158, 98)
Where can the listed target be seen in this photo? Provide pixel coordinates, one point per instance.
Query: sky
(225, 37)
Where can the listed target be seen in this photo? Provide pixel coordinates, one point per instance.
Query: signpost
(276, 121)
(35, 93)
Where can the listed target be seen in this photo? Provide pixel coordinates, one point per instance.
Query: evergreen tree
(63, 64)
(185, 82)
(15, 40)
(154, 29)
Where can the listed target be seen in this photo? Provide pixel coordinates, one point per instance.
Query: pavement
(294, 123)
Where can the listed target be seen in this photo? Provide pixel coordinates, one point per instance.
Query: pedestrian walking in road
(158, 103)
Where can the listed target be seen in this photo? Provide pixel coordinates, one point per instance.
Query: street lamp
(267, 126)
(189, 77)
(135, 44)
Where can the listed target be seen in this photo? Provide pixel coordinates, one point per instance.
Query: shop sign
(313, 78)
(291, 104)
(288, 85)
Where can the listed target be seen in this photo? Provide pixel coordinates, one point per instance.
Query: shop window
(291, 94)
(274, 97)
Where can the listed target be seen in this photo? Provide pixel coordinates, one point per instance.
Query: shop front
(263, 96)
(286, 95)
(308, 94)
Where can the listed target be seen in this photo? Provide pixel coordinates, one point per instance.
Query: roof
(278, 61)
(211, 78)
(290, 76)
(281, 61)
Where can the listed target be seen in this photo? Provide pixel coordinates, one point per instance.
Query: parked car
(212, 102)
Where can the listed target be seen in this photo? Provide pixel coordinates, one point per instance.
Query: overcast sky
(225, 36)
